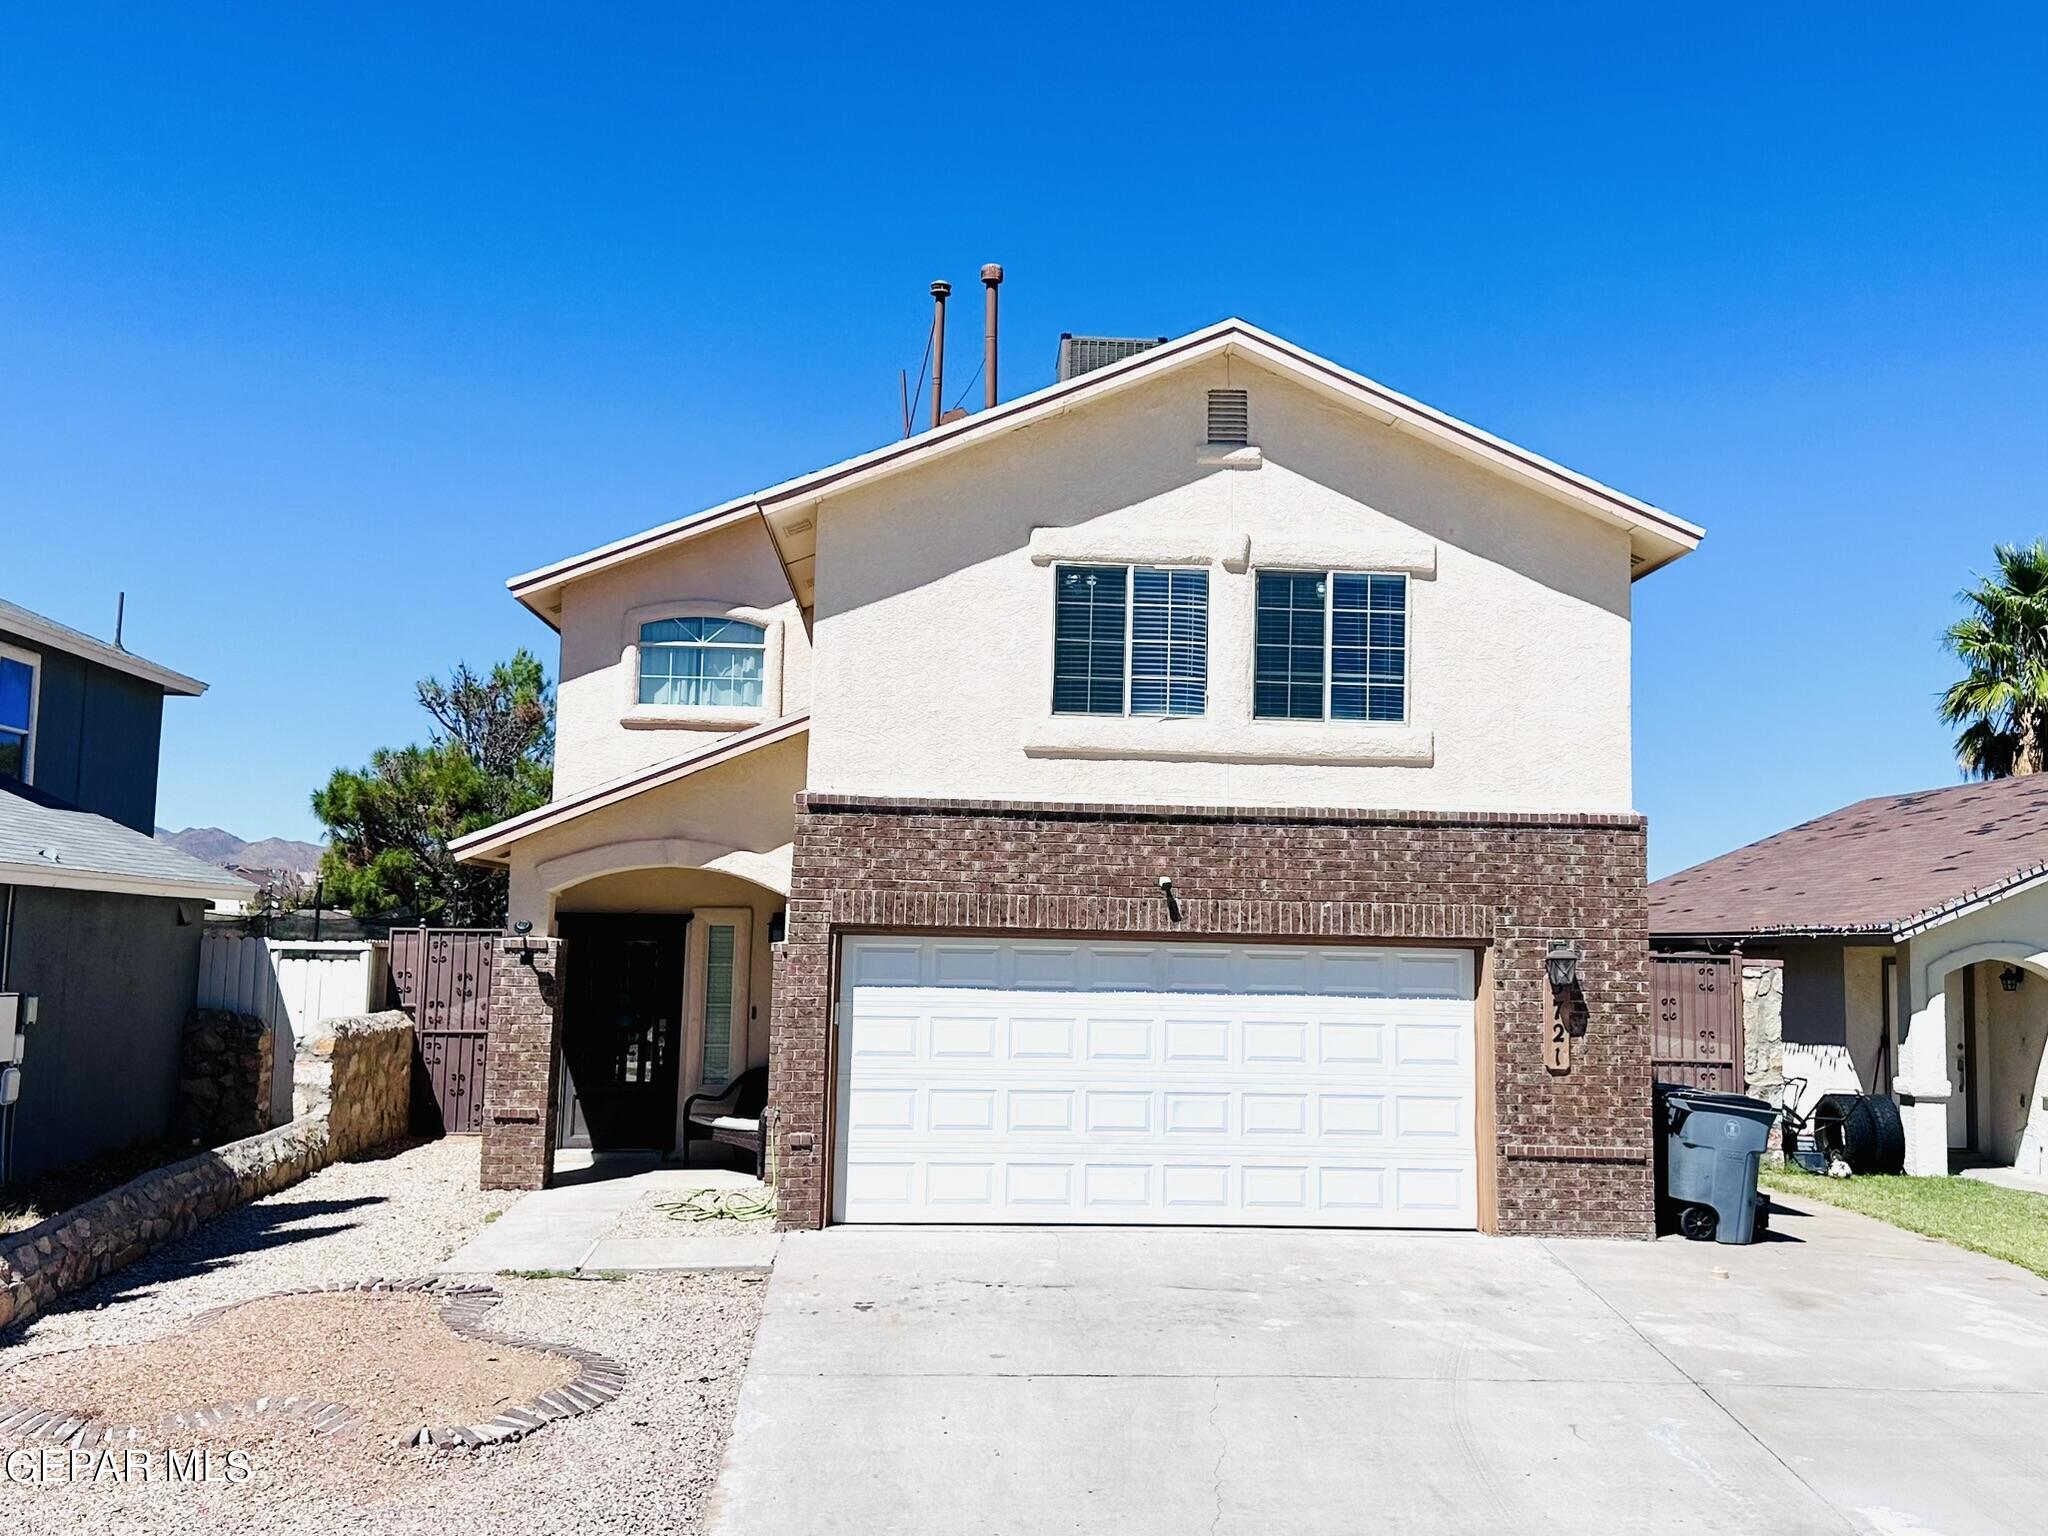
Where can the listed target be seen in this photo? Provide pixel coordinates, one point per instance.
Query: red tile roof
(1871, 866)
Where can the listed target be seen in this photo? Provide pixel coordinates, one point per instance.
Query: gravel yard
(649, 1219)
(644, 1462)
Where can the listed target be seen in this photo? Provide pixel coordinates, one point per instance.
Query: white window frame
(1329, 578)
(638, 716)
(1130, 568)
(34, 662)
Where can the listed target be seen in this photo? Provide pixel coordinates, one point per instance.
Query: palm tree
(2001, 701)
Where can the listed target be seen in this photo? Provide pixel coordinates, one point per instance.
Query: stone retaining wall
(354, 1083)
(357, 1072)
(224, 1076)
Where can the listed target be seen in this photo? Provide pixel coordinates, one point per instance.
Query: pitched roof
(45, 841)
(493, 844)
(1891, 864)
(62, 637)
(1656, 536)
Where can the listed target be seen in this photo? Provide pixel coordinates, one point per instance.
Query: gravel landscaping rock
(644, 1462)
(647, 1219)
(400, 1214)
(391, 1358)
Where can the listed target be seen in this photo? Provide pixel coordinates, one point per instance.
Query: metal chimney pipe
(991, 279)
(940, 291)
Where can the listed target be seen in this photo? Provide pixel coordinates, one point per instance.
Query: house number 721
(1557, 1041)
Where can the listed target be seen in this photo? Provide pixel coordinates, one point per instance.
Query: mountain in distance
(212, 845)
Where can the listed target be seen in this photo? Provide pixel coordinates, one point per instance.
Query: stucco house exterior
(1148, 799)
(1913, 934)
(99, 922)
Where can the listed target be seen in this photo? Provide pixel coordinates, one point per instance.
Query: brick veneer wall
(1571, 1152)
(519, 1086)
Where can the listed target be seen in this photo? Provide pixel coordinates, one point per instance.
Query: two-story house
(99, 922)
(1161, 797)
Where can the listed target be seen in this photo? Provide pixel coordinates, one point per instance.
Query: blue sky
(316, 322)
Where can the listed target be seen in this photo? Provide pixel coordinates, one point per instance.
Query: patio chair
(737, 1124)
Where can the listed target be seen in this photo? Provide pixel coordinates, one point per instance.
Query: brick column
(519, 1083)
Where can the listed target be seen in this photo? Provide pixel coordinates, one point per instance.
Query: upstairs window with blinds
(713, 661)
(1331, 645)
(1230, 417)
(1130, 640)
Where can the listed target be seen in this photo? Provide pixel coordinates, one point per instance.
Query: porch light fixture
(1561, 963)
(523, 928)
(2011, 977)
(1172, 901)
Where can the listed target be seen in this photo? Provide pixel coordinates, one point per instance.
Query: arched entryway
(666, 997)
(1976, 1037)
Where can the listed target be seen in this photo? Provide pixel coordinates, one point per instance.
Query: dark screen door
(622, 1025)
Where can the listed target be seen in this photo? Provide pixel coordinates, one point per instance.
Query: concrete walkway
(2033, 1184)
(1843, 1377)
(592, 1222)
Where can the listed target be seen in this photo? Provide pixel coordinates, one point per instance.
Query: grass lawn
(2008, 1224)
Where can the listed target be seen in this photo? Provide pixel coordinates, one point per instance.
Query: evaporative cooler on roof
(1084, 354)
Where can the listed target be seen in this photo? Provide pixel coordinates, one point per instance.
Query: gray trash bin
(1713, 1143)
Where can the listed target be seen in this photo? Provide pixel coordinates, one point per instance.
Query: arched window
(709, 660)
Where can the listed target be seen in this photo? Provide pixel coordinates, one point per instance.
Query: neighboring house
(1150, 799)
(98, 921)
(1913, 930)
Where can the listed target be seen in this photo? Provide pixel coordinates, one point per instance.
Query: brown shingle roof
(1871, 866)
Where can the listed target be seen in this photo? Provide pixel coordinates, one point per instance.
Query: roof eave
(63, 878)
(72, 642)
(1705, 935)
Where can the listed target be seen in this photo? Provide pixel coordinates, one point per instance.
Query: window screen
(1169, 642)
(1089, 624)
(1287, 677)
(1346, 630)
(1369, 648)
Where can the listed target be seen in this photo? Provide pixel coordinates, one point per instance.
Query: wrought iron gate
(1696, 1021)
(442, 977)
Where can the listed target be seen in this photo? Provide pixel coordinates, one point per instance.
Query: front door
(622, 1025)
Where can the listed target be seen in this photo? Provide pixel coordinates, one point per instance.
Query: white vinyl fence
(292, 984)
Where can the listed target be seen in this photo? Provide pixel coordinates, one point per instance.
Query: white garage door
(985, 1080)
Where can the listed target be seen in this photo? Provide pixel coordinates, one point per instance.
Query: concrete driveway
(1842, 1377)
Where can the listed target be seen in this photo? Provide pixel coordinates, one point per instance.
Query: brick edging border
(597, 1381)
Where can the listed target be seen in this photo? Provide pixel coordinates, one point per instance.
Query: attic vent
(1230, 416)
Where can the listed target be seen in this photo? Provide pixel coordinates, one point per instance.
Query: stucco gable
(790, 509)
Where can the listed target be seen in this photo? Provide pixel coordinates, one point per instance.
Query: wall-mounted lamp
(1561, 964)
(2011, 977)
(1172, 901)
(523, 928)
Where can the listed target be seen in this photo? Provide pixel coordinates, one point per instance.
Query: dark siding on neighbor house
(97, 736)
(115, 976)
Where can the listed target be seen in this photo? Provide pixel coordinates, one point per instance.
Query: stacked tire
(1862, 1130)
